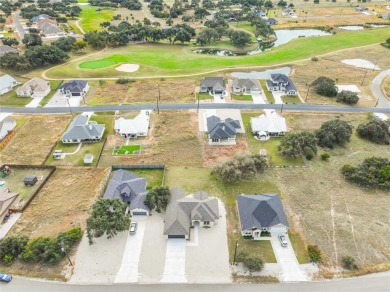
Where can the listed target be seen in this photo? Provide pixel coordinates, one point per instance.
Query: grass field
(159, 59)
(268, 94)
(203, 96)
(291, 99)
(91, 18)
(386, 87)
(128, 150)
(103, 63)
(33, 142)
(242, 97)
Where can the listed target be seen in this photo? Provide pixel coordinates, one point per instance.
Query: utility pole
(66, 254)
(376, 62)
(157, 99)
(198, 105)
(235, 252)
(70, 109)
(365, 74)
(307, 93)
(281, 110)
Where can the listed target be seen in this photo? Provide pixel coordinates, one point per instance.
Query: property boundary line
(101, 152)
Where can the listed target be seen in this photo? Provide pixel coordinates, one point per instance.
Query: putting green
(103, 63)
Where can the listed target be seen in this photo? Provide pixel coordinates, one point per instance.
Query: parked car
(133, 228)
(5, 278)
(283, 240)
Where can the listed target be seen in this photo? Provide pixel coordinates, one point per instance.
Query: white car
(283, 240)
(133, 228)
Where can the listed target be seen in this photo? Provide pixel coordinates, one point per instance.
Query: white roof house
(133, 128)
(6, 125)
(268, 124)
(381, 116)
(7, 82)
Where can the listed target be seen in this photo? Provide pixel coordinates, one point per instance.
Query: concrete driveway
(5, 227)
(258, 98)
(285, 256)
(128, 272)
(60, 100)
(175, 261)
(277, 95)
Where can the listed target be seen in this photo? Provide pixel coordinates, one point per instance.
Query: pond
(283, 37)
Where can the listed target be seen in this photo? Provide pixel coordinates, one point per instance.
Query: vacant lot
(14, 182)
(64, 202)
(145, 91)
(33, 142)
(172, 140)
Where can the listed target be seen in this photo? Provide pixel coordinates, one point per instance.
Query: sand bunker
(127, 68)
(360, 63)
(352, 88)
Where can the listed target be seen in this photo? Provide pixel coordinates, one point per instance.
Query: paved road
(383, 102)
(187, 106)
(378, 283)
(146, 10)
(18, 25)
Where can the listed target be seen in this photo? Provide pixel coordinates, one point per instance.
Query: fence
(101, 152)
(144, 166)
(7, 138)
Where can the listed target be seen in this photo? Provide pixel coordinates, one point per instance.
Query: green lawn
(274, 158)
(91, 18)
(203, 96)
(268, 94)
(171, 60)
(127, 150)
(260, 248)
(291, 99)
(11, 99)
(102, 63)
(154, 177)
(299, 248)
(241, 97)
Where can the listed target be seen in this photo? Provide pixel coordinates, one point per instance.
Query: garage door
(176, 236)
(140, 213)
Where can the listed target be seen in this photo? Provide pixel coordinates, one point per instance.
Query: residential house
(49, 30)
(213, 85)
(35, 19)
(6, 126)
(271, 21)
(35, 88)
(7, 83)
(131, 189)
(74, 88)
(184, 212)
(259, 213)
(269, 124)
(381, 116)
(260, 13)
(7, 49)
(81, 130)
(248, 86)
(6, 202)
(222, 132)
(280, 82)
(133, 128)
(40, 23)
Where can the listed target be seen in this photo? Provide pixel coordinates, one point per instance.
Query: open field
(64, 202)
(331, 66)
(33, 142)
(87, 148)
(386, 87)
(241, 97)
(172, 140)
(143, 91)
(14, 182)
(274, 158)
(291, 99)
(159, 59)
(91, 18)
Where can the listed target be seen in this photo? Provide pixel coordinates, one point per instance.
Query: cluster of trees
(334, 132)
(239, 38)
(303, 143)
(374, 172)
(7, 7)
(326, 86)
(160, 10)
(107, 218)
(158, 199)
(376, 131)
(47, 250)
(129, 4)
(241, 167)
(252, 263)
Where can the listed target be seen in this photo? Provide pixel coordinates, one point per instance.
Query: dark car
(5, 278)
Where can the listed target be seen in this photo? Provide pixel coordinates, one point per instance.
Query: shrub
(314, 253)
(253, 264)
(334, 132)
(295, 144)
(314, 59)
(325, 86)
(241, 167)
(376, 131)
(348, 97)
(309, 154)
(8, 260)
(325, 156)
(348, 263)
(158, 198)
(42, 249)
(11, 247)
(68, 238)
(122, 81)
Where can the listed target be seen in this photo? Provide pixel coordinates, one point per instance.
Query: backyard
(154, 177)
(34, 140)
(127, 150)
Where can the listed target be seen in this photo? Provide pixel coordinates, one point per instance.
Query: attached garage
(176, 236)
(140, 213)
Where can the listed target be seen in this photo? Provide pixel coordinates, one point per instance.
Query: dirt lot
(63, 203)
(172, 140)
(143, 91)
(341, 218)
(330, 66)
(34, 140)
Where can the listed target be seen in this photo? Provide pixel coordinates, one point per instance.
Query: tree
(42, 249)
(201, 12)
(241, 167)
(10, 42)
(252, 263)
(96, 40)
(239, 39)
(11, 247)
(31, 40)
(206, 36)
(268, 4)
(182, 36)
(262, 28)
(169, 21)
(334, 132)
(65, 43)
(158, 198)
(282, 3)
(14, 61)
(314, 253)
(348, 97)
(39, 56)
(348, 263)
(325, 86)
(297, 144)
(78, 46)
(376, 131)
(107, 217)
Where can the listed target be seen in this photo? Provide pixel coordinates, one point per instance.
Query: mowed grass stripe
(91, 19)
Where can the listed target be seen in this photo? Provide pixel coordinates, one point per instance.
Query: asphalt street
(383, 102)
(18, 25)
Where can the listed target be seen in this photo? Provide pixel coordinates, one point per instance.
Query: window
(206, 222)
(215, 140)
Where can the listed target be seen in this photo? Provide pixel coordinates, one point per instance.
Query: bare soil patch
(63, 203)
(34, 140)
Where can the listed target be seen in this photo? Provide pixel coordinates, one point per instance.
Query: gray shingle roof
(176, 220)
(7, 49)
(75, 86)
(49, 28)
(280, 78)
(257, 211)
(215, 82)
(251, 84)
(218, 129)
(80, 129)
(128, 187)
